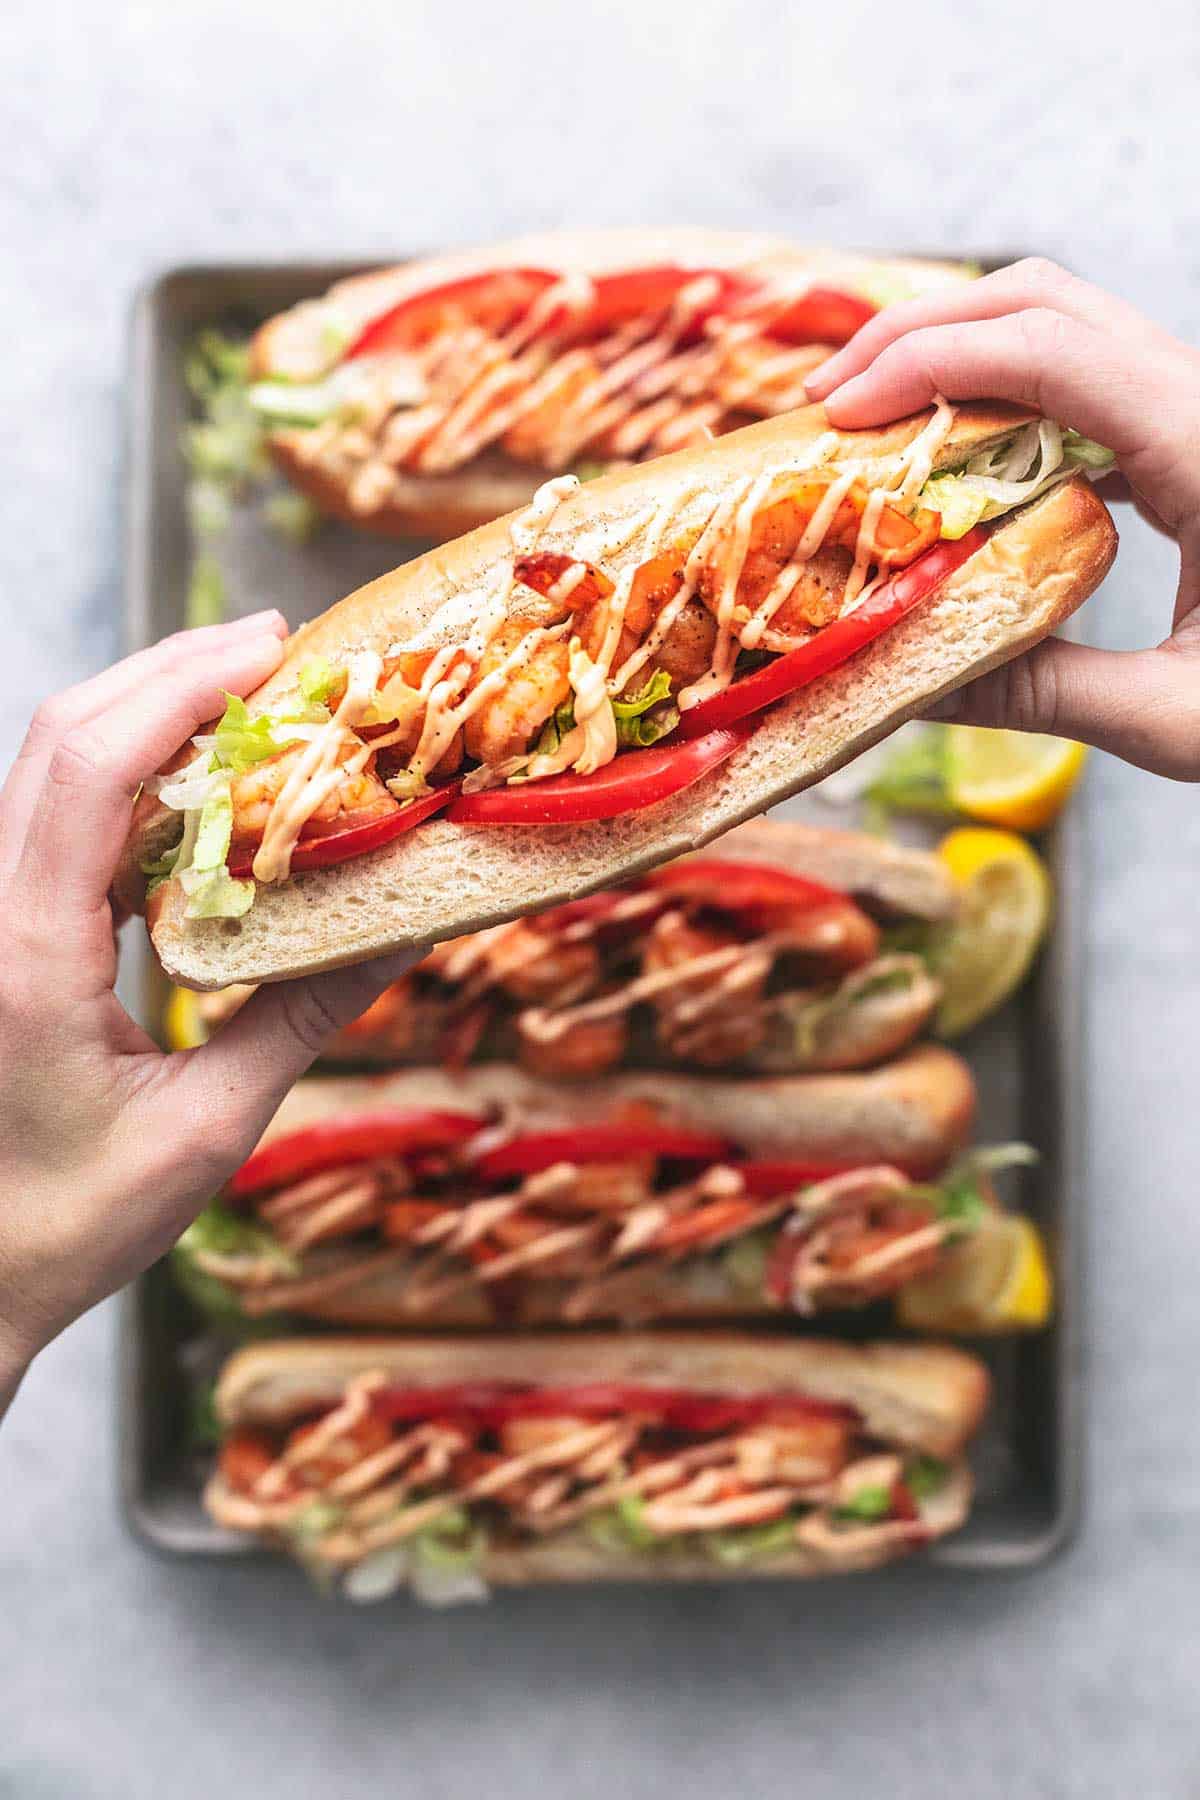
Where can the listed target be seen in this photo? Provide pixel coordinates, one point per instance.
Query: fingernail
(271, 619)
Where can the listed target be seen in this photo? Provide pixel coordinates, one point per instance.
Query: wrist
(17, 1351)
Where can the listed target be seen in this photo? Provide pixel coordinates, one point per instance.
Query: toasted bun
(927, 1397)
(916, 1111)
(442, 879)
(890, 879)
(442, 506)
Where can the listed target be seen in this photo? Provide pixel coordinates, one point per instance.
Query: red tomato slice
(494, 300)
(822, 316)
(835, 644)
(341, 1142)
(340, 846)
(767, 1177)
(732, 886)
(632, 780)
(530, 1154)
(636, 293)
(490, 1405)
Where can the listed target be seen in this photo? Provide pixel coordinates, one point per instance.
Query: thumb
(1142, 705)
(238, 1079)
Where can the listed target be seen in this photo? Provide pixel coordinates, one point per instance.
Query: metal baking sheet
(1028, 1460)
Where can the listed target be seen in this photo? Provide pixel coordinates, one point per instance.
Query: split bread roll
(407, 502)
(442, 879)
(914, 1398)
(915, 1114)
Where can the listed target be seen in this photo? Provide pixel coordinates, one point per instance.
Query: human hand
(1033, 333)
(108, 1147)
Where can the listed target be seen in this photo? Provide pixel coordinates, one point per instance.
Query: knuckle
(307, 1015)
(76, 760)
(1038, 275)
(1045, 333)
(50, 721)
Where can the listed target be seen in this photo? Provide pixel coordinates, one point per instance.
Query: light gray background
(136, 135)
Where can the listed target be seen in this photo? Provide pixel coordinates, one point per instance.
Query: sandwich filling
(554, 370)
(711, 964)
(582, 691)
(452, 1208)
(393, 1486)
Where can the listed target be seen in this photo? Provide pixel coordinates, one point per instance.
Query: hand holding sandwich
(110, 1147)
(1036, 335)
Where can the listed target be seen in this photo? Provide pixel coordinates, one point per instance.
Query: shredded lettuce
(588, 468)
(745, 1543)
(317, 678)
(294, 402)
(649, 715)
(211, 890)
(915, 778)
(203, 1426)
(555, 730)
(1019, 469)
(207, 594)
(292, 516)
(222, 1232)
(924, 1476)
(745, 1261)
(868, 1504)
(240, 741)
(623, 1527)
(960, 505)
(314, 1521)
(444, 1568)
(220, 897)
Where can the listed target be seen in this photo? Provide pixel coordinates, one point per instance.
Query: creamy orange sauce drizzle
(592, 741)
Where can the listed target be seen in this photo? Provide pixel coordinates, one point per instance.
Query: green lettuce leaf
(207, 594)
(745, 1543)
(924, 1476)
(241, 741)
(867, 1505)
(223, 1232)
(648, 716)
(1086, 452)
(961, 506)
(317, 678)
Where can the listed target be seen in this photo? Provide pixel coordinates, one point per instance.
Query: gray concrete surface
(138, 135)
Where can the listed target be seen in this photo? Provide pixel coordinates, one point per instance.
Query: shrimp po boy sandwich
(449, 1467)
(614, 676)
(492, 1198)
(430, 398)
(788, 948)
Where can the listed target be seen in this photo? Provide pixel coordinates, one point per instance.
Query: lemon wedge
(997, 1279)
(1012, 778)
(1005, 902)
(182, 1024)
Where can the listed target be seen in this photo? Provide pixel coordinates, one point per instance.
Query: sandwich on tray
(489, 1197)
(427, 399)
(790, 948)
(615, 675)
(447, 1467)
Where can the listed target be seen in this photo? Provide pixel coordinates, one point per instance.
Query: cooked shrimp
(537, 966)
(710, 1035)
(509, 723)
(255, 793)
(589, 1047)
(802, 1451)
(519, 1436)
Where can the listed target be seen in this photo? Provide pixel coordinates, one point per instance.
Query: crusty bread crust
(917, 1111)
(927, 1397)
(359, 299)
(568, 1557)
(442, 506)
(890, 879)
(921, 1397)
(443, 879)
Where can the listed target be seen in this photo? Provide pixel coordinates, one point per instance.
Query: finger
(1142, 705)
(1043, 359)
(1022, 285)
(234, 1083)
(81, 813)
(68, 711)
